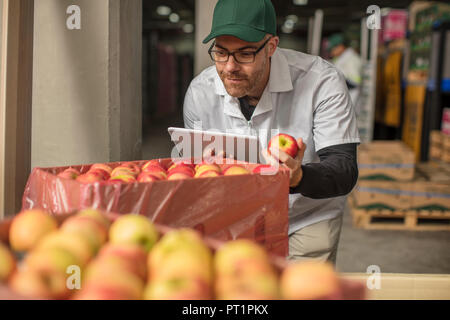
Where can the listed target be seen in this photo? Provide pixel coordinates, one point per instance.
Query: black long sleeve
(334, 176)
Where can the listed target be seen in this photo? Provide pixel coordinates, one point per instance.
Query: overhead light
(188, 28)
(289, 24)
(285, 29)
(174, 17)
(300, 2)
(163, 10)
(292, 17)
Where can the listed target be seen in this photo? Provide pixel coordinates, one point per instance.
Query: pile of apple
(129, 259)
(153, 170)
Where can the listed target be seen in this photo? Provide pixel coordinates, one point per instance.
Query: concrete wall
(86, 83)
(204, 10)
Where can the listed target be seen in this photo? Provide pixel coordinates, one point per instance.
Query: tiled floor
(392, 251)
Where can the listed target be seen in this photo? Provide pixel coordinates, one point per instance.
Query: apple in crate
(132, 166)
(157, 171)
(258, 286)
(152, 163)
(101, 166)
(132, 254)
(177, 289)
(7, 263)
(40, 284)
(235, 255)
(309, 280)
(235, 170)
(51, 259)
(28, 227)
(93, 230)
(178, 176)
(91, 177)
(208, 174)
(122, 171)
(69, 173)
(133, 229)
(147, 177)
(74, 242)
(206, 167)
(123, 178)
(109, 279)
(285, 143)
(95, 215)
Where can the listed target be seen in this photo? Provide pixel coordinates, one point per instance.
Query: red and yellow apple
(309, 280)
(121, 171)
(91, 176)
(95, 214)
(89, 227)
(112, 273)
(28, 227)
(284, 142)
(178, 176)
(157, 171)
(206, 167)
(7, 263)
(147, 177)
(235, 170)
(123, 178)
(132, 166)
(69, 173)
(101, 166)
(152, 163)
(40, 284)
(134, 229)
(208, 174)
(177, 289)
(132, 254)
(238, 254)
(74, 242)
(52, 259)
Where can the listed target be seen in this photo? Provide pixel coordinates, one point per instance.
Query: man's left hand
(293, 164)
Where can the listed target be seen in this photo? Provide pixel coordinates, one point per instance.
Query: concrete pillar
(87, 83)
(204, 10)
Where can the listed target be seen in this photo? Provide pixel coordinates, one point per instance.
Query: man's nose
(231, 64)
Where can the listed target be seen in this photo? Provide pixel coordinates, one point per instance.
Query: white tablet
(194, 143)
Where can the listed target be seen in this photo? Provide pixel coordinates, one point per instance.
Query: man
(348, 62)
(255, 87)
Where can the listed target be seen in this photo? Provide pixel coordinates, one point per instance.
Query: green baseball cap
(248, 20)
(335, 40)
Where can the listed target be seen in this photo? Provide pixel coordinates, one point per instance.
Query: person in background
(348, 61)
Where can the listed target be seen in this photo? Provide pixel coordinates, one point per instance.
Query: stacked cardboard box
(439, 146)
(389, 182)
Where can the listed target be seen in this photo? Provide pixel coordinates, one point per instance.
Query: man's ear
(272, 45)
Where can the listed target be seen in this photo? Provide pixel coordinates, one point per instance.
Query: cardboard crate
(397, 195)
(349, 289)
(250, 206)
(402, 286)
(389, 160)
(439, 146)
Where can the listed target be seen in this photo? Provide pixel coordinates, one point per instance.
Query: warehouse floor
(391, 251)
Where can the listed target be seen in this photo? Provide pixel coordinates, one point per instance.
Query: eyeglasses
(222, 55)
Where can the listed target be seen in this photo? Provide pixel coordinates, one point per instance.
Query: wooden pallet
(401, 220)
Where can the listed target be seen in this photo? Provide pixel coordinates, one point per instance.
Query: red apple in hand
(285, 143)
